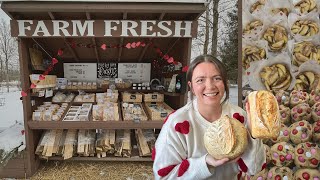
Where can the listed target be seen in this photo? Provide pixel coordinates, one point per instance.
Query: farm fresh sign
(103, 28)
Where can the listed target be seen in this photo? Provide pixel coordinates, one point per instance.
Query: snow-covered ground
(11, 123)
(12, 110)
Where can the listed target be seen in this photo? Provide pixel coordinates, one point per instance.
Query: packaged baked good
(264, 114)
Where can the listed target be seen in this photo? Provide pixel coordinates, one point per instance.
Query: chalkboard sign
(107, 70)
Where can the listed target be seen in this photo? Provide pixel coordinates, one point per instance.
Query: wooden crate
(153, 97)
(158, 111)
(129, 113)
(131, 97)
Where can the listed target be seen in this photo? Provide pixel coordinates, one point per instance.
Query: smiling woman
(180, 149)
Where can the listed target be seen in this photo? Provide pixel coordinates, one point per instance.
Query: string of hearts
(104, 47)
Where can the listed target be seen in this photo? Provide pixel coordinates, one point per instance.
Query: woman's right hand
(215, 162)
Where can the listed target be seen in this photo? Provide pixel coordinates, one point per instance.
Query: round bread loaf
(226, 138)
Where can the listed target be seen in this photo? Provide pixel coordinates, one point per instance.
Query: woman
(180, 152)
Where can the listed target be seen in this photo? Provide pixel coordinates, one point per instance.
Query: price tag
(49, 93)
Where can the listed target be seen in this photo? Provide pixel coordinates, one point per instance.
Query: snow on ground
(11, 120)
(12, 110)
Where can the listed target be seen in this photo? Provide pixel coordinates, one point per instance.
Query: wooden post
(31, 161)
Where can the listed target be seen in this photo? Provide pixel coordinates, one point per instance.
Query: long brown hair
(217, 63)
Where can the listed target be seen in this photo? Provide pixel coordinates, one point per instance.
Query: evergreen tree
(229, 49)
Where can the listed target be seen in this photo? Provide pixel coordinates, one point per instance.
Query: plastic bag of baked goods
(276, 33)
(307, 77)
(123, 143)
(305, 6)
(255, 7)
(252, 51)
(145, 141)
(252, 26)
(276, 8)
(304, 27)
(304, 51)
(272, 74)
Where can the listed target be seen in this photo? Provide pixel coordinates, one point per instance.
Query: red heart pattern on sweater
(165, 171)
(183, 167)
(183, 127)
(239, 117)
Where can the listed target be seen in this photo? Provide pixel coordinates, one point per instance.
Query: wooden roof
(45, 10)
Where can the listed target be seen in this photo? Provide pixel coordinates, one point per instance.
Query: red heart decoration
(54, 61)
(128, 46)
(60, 52)
(104, 46)
(133, 45)
(42, 77)
(138, 44)
(23, 94)
(183, 167)
(33, 86)
(153, 154)
(22, 132)
(170, 60)
(185, 68)
(183, 127)
(242, 165)
(238, 117)
(166, 57)
(165, 171)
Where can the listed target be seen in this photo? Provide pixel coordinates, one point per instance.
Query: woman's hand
(218, 162)
(215, 162)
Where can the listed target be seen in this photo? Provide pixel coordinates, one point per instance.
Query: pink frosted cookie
(279, 173)
(315, 111)
(285, 114)
(260, 175)
(283, 135)
(268, 153)
(314, 97)
(311, 174)
(282, 97)
(300, 132)
(307, 155)
(301, 112)
(298, 97)
(282, 154)
(316, 131)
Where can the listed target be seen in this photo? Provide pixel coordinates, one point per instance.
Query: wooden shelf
(102, 90)
(95, 124)
(135, 158)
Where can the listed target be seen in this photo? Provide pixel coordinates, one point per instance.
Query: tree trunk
(1, 70)
(7, 73)
(215, 22)
(206, 38)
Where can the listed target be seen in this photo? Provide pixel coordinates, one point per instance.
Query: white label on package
(137, 72)
(80, 71)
